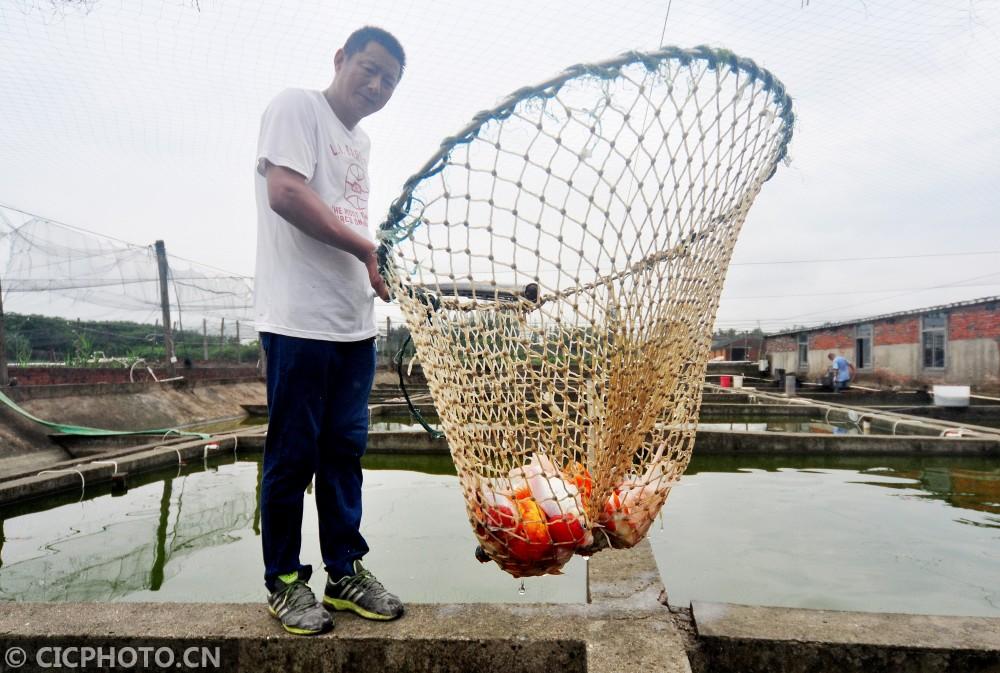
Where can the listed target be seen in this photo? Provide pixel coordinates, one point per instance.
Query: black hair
(359, 39)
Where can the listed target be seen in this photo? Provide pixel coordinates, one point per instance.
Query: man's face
(366, 80)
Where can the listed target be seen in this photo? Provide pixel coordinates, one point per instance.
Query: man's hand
(374, 277)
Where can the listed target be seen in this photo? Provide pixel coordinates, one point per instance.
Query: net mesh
(54, 269)
(559, 264)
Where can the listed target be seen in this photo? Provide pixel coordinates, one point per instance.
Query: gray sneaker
(295, 606)
(363, 594)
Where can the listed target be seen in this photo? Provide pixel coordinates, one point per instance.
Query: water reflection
(865, 526)
(900, 534)
(425, 464)
(96, 549)
(976, 490)
(192, 535)
(964, 482)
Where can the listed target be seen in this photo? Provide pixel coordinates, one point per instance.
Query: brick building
(954, 343)
(738, 348)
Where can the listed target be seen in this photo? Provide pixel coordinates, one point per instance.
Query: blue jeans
(840, 385)
(317, 401)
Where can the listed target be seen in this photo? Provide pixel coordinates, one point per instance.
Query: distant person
(317, 276)
(841, 371)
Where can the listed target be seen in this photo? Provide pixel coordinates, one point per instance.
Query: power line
(852, 292)
(865, 259)
(958, 283)
(895, 296)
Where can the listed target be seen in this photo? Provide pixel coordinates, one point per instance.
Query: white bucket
(951, 396)
(737, 381)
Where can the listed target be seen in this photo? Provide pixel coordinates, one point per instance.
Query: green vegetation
(732, 333)
(36, 338)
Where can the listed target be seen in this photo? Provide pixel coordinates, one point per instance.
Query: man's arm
(850, 371)
(290, 196)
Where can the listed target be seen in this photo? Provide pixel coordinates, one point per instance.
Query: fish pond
(919, 535)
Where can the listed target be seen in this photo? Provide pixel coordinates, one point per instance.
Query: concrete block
(756, 639)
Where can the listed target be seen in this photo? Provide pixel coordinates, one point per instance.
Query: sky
(138, 121)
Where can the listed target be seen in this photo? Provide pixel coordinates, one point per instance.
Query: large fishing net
(559, 264)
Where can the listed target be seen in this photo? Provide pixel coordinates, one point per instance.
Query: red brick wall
(899, 331)
(780, 344)
(45, 376)
(974, 322)
(841, 338)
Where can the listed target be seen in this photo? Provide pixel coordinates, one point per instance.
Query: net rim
(714, 58)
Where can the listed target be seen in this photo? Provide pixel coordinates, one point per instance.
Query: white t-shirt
(305, 288)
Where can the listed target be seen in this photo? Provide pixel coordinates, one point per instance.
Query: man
(842, 370)
(317, 276)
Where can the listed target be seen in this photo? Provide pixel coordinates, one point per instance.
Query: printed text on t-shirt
(351, 216)
(338, 149)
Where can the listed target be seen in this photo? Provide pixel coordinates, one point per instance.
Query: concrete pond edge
(627, 627)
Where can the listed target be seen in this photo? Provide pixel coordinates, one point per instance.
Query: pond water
(914, 535)
(194, 535)
(918, 535)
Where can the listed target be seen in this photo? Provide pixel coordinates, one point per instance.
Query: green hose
(95, 432)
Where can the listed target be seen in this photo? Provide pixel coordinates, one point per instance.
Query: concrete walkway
(625, 628)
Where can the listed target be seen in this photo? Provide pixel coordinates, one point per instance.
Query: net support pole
(3, 346)
(222, 339)
(238, 359)
(168, 337)
(204, 339)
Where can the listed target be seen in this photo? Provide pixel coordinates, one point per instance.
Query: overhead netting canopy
(559, 263)
(53, 269)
